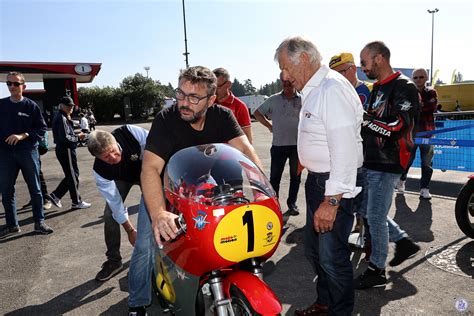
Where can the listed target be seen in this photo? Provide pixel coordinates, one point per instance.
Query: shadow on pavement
(292, 278)
(66, 301)
(72, 299)
(131, 210)
(417, 224)
(441, 188)
(464, 259)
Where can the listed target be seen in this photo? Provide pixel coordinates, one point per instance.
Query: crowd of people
(355, 139)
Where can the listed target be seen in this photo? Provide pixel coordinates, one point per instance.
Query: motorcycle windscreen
(216, 174)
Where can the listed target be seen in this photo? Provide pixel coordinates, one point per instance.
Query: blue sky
(126, 35)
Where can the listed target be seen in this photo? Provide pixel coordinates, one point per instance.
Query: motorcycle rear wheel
(465, 209)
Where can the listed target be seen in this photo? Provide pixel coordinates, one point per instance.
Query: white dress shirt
(108, 188)
(329, 137)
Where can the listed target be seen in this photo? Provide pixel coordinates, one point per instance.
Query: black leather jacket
(388, 124)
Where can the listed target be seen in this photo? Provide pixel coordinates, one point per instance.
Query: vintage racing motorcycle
(230, 223)
(465, 208)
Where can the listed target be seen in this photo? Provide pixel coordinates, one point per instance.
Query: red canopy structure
(59, 79)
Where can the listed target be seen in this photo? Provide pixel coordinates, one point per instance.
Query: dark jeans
(426, 155)
(68, 160)
(112, 228)
(329, 252)
(11, 161)
(44, 187)
(279, 155)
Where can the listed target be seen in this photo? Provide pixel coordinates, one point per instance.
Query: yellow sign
(248, 231)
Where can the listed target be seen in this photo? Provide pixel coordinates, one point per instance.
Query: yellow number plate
(246, 232)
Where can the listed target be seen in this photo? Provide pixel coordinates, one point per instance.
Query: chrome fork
(221, 304)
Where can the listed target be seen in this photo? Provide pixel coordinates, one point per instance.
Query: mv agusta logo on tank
(230, 223)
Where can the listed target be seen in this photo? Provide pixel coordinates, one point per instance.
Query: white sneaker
(81, 205)
(425, 194)
(400, 187)
(47, 205)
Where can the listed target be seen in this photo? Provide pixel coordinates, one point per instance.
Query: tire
(465, 209)
(240, 304)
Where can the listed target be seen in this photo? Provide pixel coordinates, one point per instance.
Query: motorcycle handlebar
(181, 224)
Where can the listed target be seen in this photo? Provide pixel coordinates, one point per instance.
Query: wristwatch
(333, 201)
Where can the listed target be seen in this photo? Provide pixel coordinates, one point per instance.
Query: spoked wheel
(240, 305)
(465, 209)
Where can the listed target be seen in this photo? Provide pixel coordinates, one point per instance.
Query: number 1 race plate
(246, 232)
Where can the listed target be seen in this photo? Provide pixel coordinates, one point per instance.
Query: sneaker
(109, 269)
(81, 205)
(372, 277)
(47, 205)
(293, 212)
(404, 248)
(400, 187)
(137, 311)
(27, 205)
(8, 231)
(42, 228)
(425, 194)
(56, 201)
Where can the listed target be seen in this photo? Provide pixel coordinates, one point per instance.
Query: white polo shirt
(329, 137)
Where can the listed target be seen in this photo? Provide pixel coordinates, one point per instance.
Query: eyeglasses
(419, 77)
(14, 83)
(193, 99)
(222, 84)
(344, 70)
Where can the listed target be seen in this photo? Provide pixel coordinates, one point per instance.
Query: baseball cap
(340, 59)
(66, 101)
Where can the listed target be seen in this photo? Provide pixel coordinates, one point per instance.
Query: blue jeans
(142, 262)
(11, 162)
(279, 155)
(329, 252)
(380, 187)
(395, 233)
(426, 155)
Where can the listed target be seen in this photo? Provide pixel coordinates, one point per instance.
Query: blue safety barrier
(453, 142)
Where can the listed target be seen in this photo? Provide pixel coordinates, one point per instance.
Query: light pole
(147, 68)
(432, 12)
(185, 38)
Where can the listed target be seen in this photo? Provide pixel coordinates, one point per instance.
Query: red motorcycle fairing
(197, 251)
(257, 292)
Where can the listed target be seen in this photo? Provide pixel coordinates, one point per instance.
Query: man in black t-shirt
(194, 120)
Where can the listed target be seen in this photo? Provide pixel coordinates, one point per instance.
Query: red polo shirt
(240, 110)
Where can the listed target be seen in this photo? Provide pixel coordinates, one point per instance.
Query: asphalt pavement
(54, 274)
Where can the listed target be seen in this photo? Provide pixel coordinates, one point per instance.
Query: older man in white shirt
(330, 147)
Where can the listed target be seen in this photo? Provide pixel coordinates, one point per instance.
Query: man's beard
(373, 73)
(195, 117)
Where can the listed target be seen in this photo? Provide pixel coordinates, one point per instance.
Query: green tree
(105, 102)
(237, 88)
(145, 94)
(249, 88)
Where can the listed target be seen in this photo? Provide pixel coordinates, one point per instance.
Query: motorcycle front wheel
(465, 209)
(240, 304)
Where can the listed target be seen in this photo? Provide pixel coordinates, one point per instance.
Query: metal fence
(453, 141)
